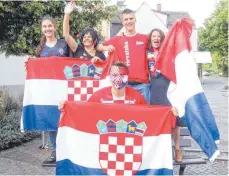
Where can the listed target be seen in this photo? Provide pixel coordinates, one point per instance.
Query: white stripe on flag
(44, 92)
(84, 150)
(188, 84)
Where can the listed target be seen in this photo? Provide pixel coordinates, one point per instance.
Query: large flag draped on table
(115, 139)
(51, 80)
(185, 91)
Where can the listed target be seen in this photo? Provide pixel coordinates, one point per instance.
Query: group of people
(131, 78)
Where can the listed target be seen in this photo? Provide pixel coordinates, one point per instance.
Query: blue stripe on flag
(162, 171)
(41, 117)
(66, 167)
(201, 123)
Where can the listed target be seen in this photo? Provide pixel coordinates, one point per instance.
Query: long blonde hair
(43, 38)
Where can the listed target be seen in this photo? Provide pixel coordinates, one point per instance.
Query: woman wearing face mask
(51, 46)
(89, 39)
(159, 84)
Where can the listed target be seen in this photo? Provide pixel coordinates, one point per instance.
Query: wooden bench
(187, 159)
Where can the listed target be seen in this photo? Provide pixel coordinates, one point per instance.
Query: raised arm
(66, 28)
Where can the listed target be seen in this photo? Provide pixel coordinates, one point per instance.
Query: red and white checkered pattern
(81, 90)
(120, 155)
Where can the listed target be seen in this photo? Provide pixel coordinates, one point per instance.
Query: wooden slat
(190, 161)
(190, 156)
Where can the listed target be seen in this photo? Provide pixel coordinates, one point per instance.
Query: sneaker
(51, 161)
(178, 156)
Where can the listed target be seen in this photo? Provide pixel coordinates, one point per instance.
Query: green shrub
(7, 103)
(10, 115)
(10, 134)
(220, 64)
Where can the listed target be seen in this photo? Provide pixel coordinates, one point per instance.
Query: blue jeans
(144, 89)
(52, 138)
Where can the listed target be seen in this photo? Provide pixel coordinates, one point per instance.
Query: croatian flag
(114, 139)
(185, 92)
(51, 80)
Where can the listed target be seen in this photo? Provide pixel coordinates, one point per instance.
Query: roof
(117, 17)
(173, 16)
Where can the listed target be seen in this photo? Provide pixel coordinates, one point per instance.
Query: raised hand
(69, 7)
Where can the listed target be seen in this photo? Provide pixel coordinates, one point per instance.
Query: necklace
(90, 51)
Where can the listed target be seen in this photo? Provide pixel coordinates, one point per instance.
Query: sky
(199, 10)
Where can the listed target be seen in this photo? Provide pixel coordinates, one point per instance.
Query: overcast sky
(199, 10)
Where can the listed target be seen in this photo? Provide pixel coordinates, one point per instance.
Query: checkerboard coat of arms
(84, 80)
(120, 151)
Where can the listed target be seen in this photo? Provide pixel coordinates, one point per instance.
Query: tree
(20, 29)
(214, 36)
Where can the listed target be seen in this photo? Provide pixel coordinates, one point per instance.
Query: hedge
(10, 115)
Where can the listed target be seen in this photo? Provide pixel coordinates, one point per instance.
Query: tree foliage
(213, 36)
(20, 29)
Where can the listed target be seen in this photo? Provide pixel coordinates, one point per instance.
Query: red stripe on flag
(85, 116)
(173, 44)
(53, 67)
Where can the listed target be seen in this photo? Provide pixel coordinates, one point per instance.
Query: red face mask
(118, 77)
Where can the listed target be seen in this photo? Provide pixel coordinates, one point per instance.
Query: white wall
(193, 40)
(162, 17)
(148, 19)
(12, 70)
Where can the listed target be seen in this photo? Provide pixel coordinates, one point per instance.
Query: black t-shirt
(83, 54)
(158, 94)
(59, 49)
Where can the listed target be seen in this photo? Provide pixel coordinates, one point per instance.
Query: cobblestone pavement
(27, 158)
(218, 100)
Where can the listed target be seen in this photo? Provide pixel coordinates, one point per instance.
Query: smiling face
(48, 28)
(156, 39)
(128, 21)
(87, 40)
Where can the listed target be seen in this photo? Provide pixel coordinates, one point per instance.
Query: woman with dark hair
(51, 46)
(159, 84)
(89, 39)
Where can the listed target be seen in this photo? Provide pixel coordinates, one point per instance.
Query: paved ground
(26, 159)
(218, 99)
